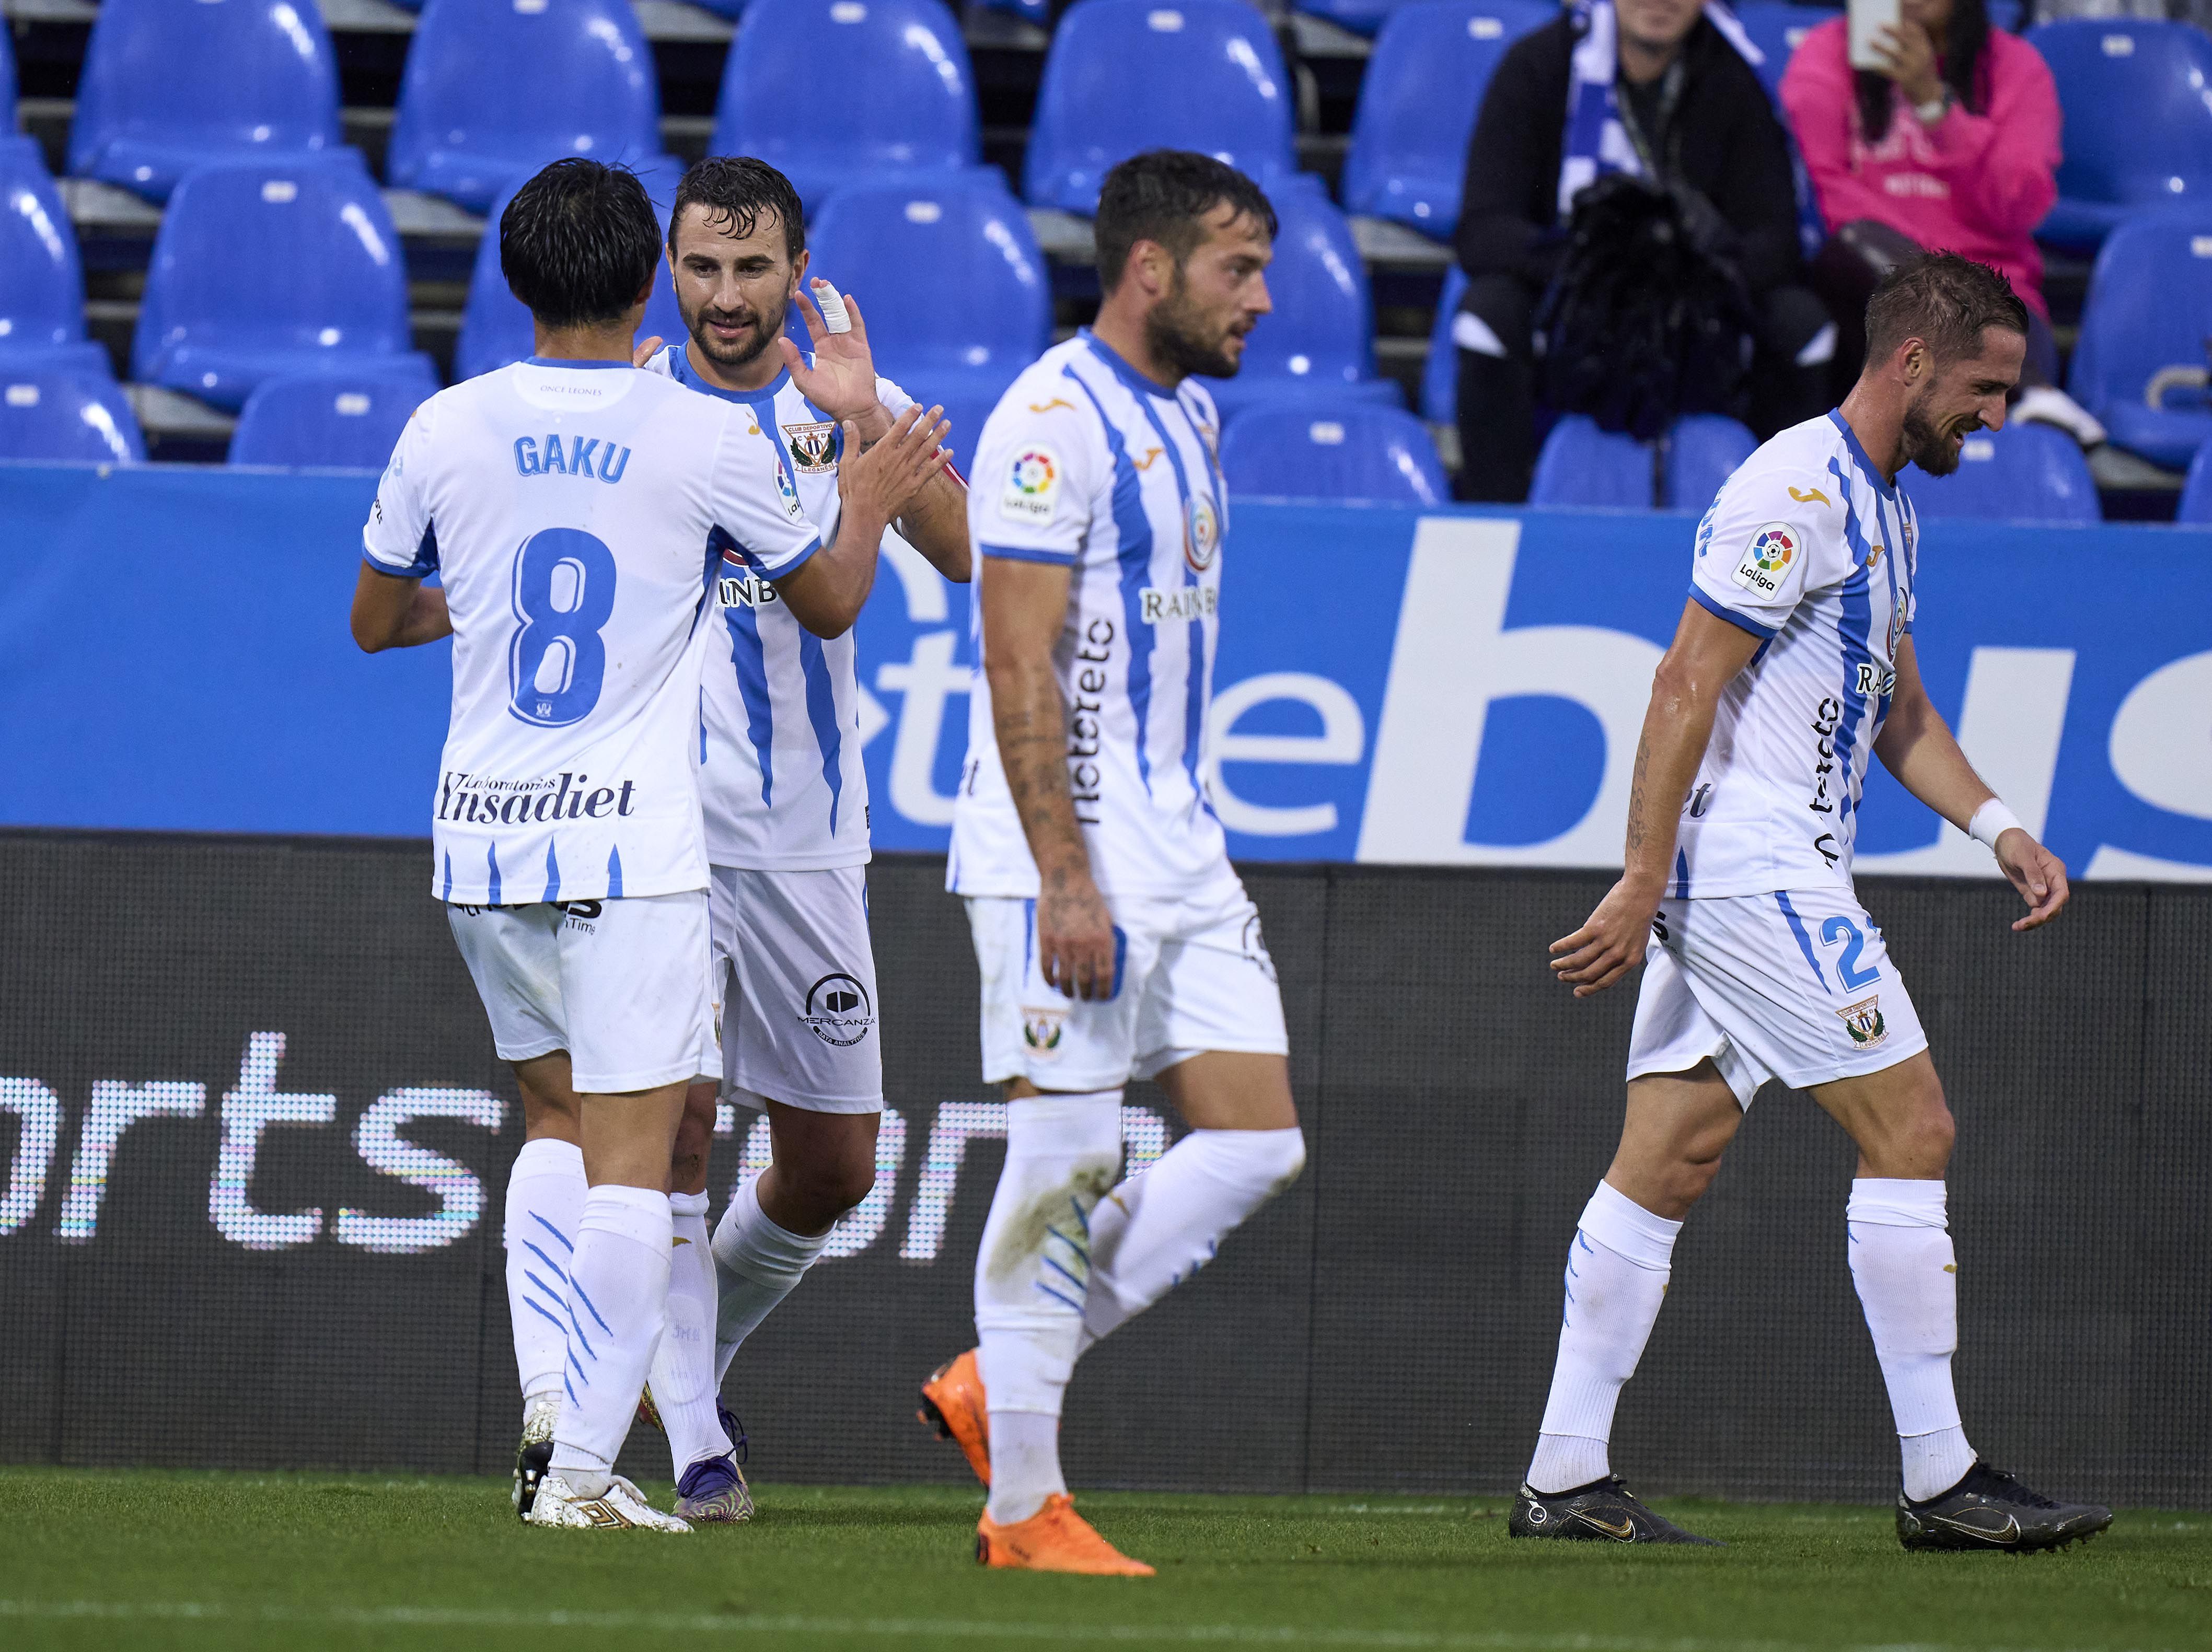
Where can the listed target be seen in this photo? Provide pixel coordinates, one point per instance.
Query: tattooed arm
(1024, 609)
(1707, 653)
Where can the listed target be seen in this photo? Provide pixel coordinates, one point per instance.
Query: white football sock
(756, 1264)
(683, 1386)
(1617, 1272)
(545, 1198)
(1164, 1224)
(1908, 1281)
(1031, 1275)
(618, 1303)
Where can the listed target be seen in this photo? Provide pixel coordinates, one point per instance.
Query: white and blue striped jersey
(1088, 465)
(782, 783)
(1807, 548)
(573, 511)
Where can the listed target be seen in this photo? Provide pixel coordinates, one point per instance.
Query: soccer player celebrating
(1113, 936)
(1793, 662)
(784, 795)
(567, 503)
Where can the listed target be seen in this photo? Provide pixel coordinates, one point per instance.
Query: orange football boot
(1054, 1539)
(952, 1404)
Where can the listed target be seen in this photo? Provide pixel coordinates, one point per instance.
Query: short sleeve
(1758, 546)
(756, 502)
(400, 537)
(1030, 498)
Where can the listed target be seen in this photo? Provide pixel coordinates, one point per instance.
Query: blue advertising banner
(1457, 687)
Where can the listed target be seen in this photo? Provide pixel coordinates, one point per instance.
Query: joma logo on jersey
(1186, 602)
(582, 457)
(745, 591)
(1875, 681)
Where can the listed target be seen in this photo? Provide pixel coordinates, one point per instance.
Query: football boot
(1054, 1539)
(1991, 1510)
(952, 1403)
(1601, 1512)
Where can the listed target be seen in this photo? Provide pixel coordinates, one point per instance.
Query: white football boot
(620, 1507)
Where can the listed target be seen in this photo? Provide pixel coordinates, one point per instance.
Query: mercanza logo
(1185, 603)
(480, 800)
(837, 1010)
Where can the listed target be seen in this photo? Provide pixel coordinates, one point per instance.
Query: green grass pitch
(169, 1559)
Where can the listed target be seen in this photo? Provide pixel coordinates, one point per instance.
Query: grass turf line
(177, 1559)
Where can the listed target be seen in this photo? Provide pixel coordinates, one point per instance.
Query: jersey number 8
(564, 594)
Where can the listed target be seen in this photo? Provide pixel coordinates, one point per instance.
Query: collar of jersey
(762, 401)
(1887, 489)
(550, 362)
(1121, 370)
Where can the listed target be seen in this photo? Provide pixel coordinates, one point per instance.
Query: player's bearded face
(736, 334)
(1959, 399)
(1217, 295)
(733, 290)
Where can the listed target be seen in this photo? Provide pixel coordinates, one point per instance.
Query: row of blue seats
(494, 88)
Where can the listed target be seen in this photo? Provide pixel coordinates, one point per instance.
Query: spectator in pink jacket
(1952, 144)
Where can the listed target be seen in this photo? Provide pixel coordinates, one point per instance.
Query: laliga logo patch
(790, 494)
(1201, 534)
(1032, 491)
(1767, 560)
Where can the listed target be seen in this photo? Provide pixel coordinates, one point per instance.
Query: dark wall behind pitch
(1388, 1323)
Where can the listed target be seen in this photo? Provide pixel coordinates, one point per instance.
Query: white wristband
(832, 303)
(1991, 822)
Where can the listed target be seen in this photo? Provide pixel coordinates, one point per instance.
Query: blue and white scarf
(1596, 142)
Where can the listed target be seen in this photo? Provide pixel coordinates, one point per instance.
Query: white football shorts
(624, 986)
(1193, 975)
(1795, 985)
(801, 989)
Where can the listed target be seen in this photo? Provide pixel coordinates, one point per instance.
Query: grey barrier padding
(1387, 1323)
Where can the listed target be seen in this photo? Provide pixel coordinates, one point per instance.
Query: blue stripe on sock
(551, 1295)
(596, 1314)
(533, 1301)
(1057, 1298)
(577, 1330)
(1065, 1274)
(555, 1231)
(558, 1272)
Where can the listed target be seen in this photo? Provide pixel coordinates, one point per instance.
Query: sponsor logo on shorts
(1254, 947)
(1040, 1030)
(837, 1010)
(1863, 1020)
(580, 914)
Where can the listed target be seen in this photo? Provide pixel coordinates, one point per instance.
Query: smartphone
(1868, 18)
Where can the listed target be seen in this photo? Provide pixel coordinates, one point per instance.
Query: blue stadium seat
(7, 83)
(901, 97)
(1030, 11)
(56, 413)
(497, 88)
(495, 327)
(41, 283)
(350, 419)
(984, 312)
(270, 267)
(729, 10)
(169, 85)
(1320, 339)
(1360, 16)
(1333, 450)
(1418, 103)
(1583, 465)
(1703, 451)
(1127, 75)
(2196, 492)
(2138, 121)
(2149, 308)
(1440, 373)
(1777, 29)
(2023, 473)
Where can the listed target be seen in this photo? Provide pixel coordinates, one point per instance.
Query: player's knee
(836, 1185)
(1934, 1133)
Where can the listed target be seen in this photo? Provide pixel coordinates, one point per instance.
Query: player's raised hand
(1609, 945)
(882, 480)
(2037, 874)
(841, 381)
(1075, 936)
(646, 350)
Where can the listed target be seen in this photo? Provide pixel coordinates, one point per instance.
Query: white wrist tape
(1991, 822)
(832, 303)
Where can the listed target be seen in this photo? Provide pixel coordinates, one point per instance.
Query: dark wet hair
(1944, 299)
(1164, 196)
(736, 190)
(578, 243)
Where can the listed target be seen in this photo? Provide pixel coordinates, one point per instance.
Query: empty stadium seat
(1778, 28)
(267, 267)
(496, 327)
(41, 283)
(830, 92)
(984, 312)
(1320, 339)
(1440, 372)
(2197, 493)
(1703, 451)
(2148, 310)
(495, 89)
(2138, 121)
(56, 413)
(1030, 11)
(1342, 449)
(730, 11)
(169, 85)
(348, 420)
(1127, 75)
(1583, 465)
(1418, 103)
(1360, 16)
(7, 83)
(2023, 473)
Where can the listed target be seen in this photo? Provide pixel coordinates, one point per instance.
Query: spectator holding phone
(1951, 143)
